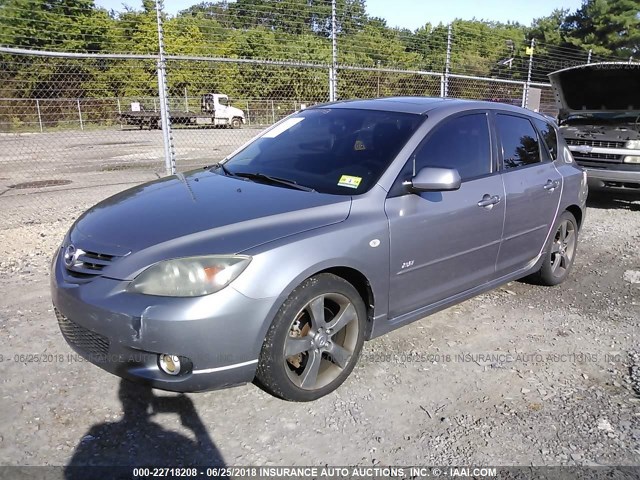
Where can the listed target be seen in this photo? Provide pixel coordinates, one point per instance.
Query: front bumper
(220, 334)
(601, 177)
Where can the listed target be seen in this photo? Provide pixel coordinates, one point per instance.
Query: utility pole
(165, 121)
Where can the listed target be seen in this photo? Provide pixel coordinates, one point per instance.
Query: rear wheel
(314, 341)
(561, 251)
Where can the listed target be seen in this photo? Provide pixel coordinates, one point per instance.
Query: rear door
(443, 243)
(532, 186)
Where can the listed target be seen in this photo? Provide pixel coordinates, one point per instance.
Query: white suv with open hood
(600, 120)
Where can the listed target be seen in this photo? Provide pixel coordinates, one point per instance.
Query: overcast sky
(415, 13)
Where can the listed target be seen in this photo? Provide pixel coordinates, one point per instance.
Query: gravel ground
(523, 375)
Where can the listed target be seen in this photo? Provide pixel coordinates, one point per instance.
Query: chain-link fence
(75, 126)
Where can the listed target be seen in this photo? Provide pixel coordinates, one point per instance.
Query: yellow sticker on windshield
(349, 181)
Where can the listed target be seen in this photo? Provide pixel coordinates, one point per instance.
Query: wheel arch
(362, 284)
(351, 274)
(576, 211)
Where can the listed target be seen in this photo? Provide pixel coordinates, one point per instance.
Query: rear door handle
(488, 201)
(551, 185)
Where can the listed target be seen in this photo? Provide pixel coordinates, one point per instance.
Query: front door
(443, 243)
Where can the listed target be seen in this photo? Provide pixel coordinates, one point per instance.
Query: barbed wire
(215, 26)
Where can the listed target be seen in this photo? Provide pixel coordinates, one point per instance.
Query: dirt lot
(549, 376)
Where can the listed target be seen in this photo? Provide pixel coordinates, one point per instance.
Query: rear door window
(520, 144)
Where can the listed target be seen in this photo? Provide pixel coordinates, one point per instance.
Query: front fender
(360, 245)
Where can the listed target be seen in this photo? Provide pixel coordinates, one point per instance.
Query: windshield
(338, 151)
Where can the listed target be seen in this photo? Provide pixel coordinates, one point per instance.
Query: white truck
(599, 118)
(214, 111)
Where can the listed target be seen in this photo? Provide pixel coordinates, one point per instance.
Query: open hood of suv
(597, 87)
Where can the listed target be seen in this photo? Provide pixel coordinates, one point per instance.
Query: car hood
(195, 214)
(597, 87)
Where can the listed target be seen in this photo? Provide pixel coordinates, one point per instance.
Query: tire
(304, 356)
(236, 122)
(560, 252)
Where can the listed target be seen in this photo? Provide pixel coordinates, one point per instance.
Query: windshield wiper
(273, 180)
(224, 169)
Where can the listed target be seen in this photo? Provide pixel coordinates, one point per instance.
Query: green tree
(71, 25)
(549, 29)
(608, 27)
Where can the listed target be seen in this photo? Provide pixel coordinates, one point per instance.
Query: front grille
(595, 143)
(597, 156)
(92, 344)
(89, 264)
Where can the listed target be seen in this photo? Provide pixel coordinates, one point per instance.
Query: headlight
(633, 144)
(190, 276)
(631, 159)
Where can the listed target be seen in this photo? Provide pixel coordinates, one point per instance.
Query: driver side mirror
(435, 179)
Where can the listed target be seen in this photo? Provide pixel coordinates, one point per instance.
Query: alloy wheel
(321, 341)
(563, 248)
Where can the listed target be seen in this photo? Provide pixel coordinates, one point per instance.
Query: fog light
(169, 364)
(631, 159)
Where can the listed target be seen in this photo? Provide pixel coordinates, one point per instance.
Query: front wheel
(236, 122)
(314, 342)
(561, 251)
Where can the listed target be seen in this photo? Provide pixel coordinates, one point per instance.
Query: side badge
(374, 243)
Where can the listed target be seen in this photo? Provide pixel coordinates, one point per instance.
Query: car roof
(423, 105)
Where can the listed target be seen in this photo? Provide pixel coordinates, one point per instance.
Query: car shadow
(606, 199)
(137, 440)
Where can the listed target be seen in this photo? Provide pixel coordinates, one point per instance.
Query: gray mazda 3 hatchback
(338, 224)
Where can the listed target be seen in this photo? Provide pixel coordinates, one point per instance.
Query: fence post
(333, 71)
(169, 154)
(80, 115)
(119, 112)
(273, 112)
(441, 86)
(589, 56)
(528, 85)
(39, 115)
(248, 116)
(447, 64)
(186, 100)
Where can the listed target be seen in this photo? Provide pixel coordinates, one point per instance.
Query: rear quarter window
(549, 136)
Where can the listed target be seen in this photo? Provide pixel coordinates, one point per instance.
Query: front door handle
(551, 185)
(488, 201)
